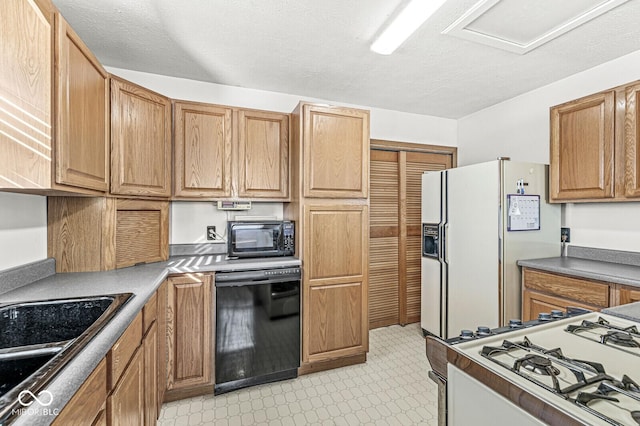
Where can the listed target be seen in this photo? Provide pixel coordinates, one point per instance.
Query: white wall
(190, 219)
(385, 124)
(519, 128)
(23, 229)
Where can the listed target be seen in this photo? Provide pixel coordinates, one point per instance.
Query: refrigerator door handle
(445, 251)
(441, 242)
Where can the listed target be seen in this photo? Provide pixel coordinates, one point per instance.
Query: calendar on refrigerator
(523, 212)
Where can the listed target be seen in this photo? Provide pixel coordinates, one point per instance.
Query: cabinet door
(190, 357)
(629, 295)
(534, 303)
(632, 142)
(582, 149)
(162, 343)
(82, 134)
(263, 155)
(126, 403)
(335, 315)
(26, 72)
(87, 406)
(150, 347)
(203, 135)
(142, 231)
(140, 141)
(336, 152)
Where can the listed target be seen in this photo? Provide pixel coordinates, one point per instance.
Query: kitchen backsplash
(189, 220)
(604, 255)
(18, 276)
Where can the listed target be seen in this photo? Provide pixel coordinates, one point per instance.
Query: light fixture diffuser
(405, 24)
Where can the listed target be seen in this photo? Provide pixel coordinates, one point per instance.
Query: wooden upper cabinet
(26, 73)
(82, 134)
(336, 152)
(632, 142)
(140, 141)
(582, 148)
(223, 152)
(42, 56)
(263, 154)
(203, 140)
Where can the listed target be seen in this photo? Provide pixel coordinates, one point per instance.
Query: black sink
(37, 339)
(35, 323)
(15, 371)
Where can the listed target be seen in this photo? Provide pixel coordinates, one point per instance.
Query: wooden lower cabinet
(125, 405)
(125, 388)
(628, 295)
(546, 291)
(337, 327)
(189, 336)
(87, 406)
(335, 322)
(162, 344)
(535, 303)
(150, 348)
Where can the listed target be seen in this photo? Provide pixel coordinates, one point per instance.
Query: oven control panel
(281, 272)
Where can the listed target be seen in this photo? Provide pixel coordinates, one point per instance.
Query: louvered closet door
(416, 164)
(394, 250)
(384, 233)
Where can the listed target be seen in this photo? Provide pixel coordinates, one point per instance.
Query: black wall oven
(257, 327)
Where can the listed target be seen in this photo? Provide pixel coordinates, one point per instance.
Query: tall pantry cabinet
(330, 204)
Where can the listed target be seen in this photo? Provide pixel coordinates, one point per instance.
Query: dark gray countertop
(142, 280)
(587, 268)
(630, 311)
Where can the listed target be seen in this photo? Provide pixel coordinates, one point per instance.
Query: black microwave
(260, 239)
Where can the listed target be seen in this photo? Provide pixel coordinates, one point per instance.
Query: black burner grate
(540, 361)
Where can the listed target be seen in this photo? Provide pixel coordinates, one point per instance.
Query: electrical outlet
(565, 235)
(211, 232)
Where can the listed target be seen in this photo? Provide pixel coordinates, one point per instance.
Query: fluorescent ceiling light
(405, 24)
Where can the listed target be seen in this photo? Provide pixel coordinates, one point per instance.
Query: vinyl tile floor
(391, 388)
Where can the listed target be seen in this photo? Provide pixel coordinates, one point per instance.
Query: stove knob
(466, 334)
(515, 323)
(544, 316)
(557, 314)
(483, 331)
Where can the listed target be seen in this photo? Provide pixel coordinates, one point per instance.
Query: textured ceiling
(321, 49)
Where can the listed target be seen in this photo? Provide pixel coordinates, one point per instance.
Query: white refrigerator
(477, 222)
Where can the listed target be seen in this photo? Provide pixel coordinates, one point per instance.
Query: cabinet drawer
(586, 291)
(123, 349)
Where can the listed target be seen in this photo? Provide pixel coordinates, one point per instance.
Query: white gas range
(579, 370)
